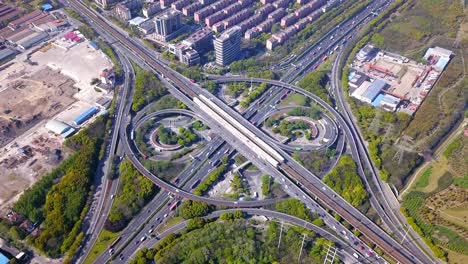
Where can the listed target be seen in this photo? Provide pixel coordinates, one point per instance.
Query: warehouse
(374, 89)
(85, 116)
(360, 90)
(390, 102)
(33, 40)
(6, 55)
(59, 128)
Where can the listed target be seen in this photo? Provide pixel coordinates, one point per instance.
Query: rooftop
(374, 89)
(137, 21)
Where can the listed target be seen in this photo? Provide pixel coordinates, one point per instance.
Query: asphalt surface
(228, 110)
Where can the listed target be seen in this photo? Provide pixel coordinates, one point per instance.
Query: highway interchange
(218, 143)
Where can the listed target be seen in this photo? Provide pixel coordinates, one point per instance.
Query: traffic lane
(330, 194)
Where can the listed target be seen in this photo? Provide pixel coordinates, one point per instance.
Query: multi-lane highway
(192, 91)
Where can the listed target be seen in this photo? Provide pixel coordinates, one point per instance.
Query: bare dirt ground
(29, 97)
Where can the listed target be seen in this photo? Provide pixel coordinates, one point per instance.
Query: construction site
(43, 93)
(392, 81)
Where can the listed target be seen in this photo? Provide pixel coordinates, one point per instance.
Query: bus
(174, 206)
(114, 242)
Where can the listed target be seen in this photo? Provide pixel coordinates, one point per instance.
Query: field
(427, 181)
(420, 23)
(438, 207)
(457, 215)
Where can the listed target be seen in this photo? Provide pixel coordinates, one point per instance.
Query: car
(165, 215)
(142, 238)
(153, 225)
(121, 258)
(361, 248)
(111, 251)
(112, 196)
(150, 231)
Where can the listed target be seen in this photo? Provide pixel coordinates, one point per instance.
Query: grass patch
(456, 216)
(456, 258)
(169, 223)
(461, 182)
(104, 240)
(295, 99)
(428, 182)
(423, 181)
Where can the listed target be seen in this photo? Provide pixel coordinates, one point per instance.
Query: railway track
(310, 188)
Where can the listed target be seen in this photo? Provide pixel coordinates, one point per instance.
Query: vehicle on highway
(174, 206)
(165, 215)
(324, 58)
(111, 245)
(142, 238)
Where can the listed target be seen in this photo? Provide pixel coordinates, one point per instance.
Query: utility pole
(302, 246)
(281, 232)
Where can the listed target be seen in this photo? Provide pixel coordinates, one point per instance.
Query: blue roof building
(47, 7)
(94, 45)
(374, 89)
(85, 116)
(3, 259)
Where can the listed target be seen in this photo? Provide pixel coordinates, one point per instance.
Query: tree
(238, 214)
(190, 209)
(318, 222)
(226, 216)
(345, 180)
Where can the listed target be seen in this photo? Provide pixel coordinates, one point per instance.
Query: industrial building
(227, 46)
(369, 93)
(366, 52)
(168, 22)
(32, 40)
(389, 102)
(85, 116)
(6, 55)
(438, 57)
(59, 128)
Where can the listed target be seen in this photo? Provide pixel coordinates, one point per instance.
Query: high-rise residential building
(227, 46)
(168, 22)
(122, 12)
(105, 3)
